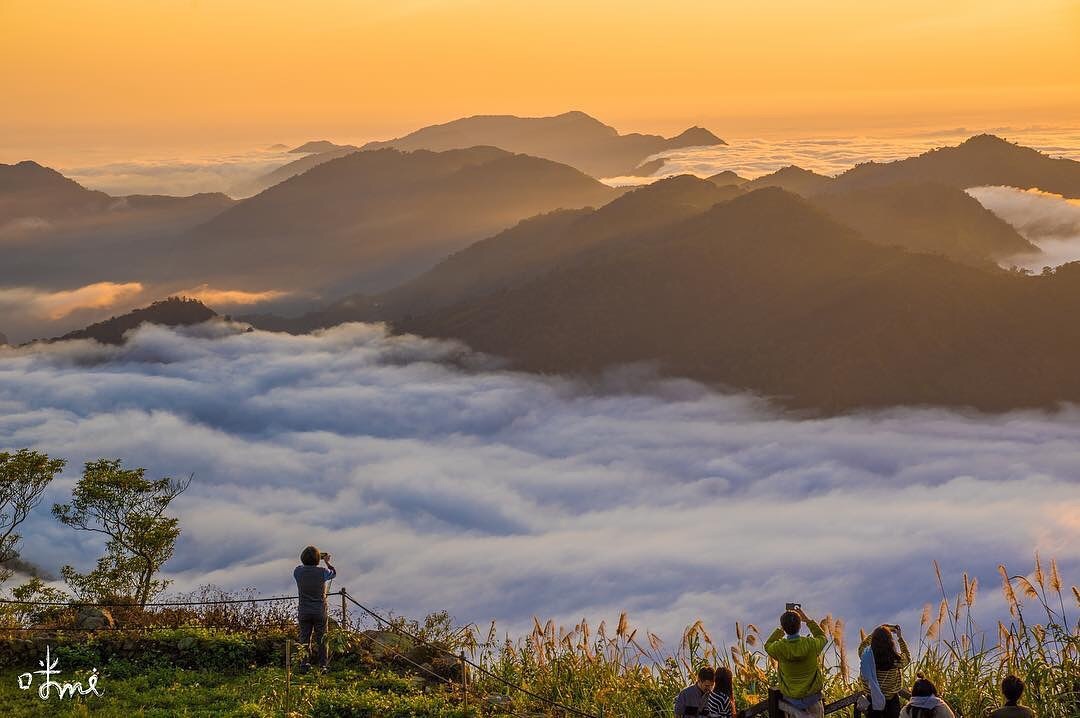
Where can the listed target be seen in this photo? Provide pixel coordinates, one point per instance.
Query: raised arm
(817, 635)
(772, 642)
(905, 654)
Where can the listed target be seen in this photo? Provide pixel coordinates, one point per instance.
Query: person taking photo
(311, 584)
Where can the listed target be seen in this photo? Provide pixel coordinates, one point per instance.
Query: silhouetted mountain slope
(572, 138)
(28, 190)
(251, 187)
(372, 219)
(171, 312)
(3, 339)
(175, 213)
(921, 216)
(57, 233)
(926, 218)
(538, 244)
(767, 293)
(727, 177)
(516, 255)
(42, 199)
(793, 179)
(354, 308)
(980, 160)
(317, 146)
(205, 201)
(648, 169)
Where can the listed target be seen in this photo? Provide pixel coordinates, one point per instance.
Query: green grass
(252, 693)
(159, 692)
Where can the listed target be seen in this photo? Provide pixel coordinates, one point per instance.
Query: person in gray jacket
(925, 702)
(311, 584)
(693, 700)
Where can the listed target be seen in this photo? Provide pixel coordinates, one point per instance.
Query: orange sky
(190, 72)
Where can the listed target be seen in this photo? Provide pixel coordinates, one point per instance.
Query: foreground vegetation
(228, 661)
(631, 675)
(164, 692)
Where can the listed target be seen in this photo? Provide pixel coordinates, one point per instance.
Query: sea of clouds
(440, 481)
(752, 157)
(178, 174)
(1050, 221)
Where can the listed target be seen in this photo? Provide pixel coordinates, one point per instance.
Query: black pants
(309, 624)
(891, 710)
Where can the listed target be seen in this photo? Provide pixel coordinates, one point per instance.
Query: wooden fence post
(288, 674)
(774, 703)
(464, 682)
(344, 612)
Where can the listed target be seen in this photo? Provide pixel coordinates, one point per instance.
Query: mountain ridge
(767, 293)
(171, 312)
(573, 138)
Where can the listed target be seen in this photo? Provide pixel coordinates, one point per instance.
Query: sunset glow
(182, 72)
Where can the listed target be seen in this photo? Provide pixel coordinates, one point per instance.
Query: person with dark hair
(721, 702)
(883, 655)
(311, 584)
(1012, 688)
(801, 679)
(691, 701)
(924, 701)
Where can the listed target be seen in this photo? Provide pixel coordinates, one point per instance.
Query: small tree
(24, 476)
(130, 510)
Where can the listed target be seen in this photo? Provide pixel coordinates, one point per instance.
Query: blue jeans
(810, 705)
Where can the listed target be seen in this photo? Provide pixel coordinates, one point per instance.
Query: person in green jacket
(801, 679)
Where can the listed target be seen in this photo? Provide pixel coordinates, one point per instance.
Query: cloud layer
(231, 297)
(441, 482)
(53, 305)
(178, 175)
(753, 157)
(1049, 221)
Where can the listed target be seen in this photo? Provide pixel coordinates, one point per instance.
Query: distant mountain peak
(796, 171)
(727, 177)
(682, 189)
(172, 312)
(986, 140)
(770, 195)
(579, 116)
(695, 136)
(769, 204)
(982, 159)
(793, 179)
(26, 174)
(574, 138)
(316, 146)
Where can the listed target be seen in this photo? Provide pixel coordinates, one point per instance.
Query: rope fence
(163, 604)
(757, 709)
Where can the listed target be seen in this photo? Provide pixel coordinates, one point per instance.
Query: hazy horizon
(221, 165)
(236, 71)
